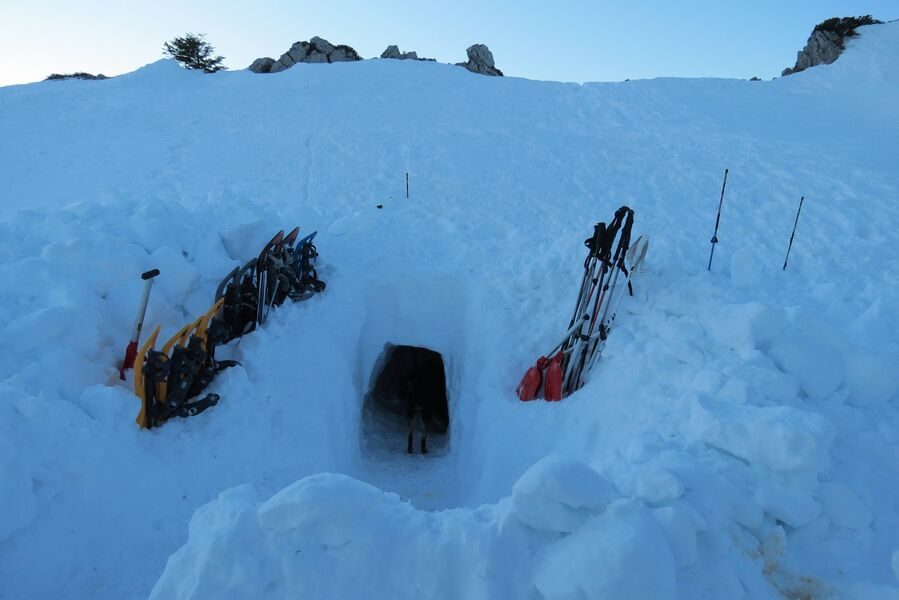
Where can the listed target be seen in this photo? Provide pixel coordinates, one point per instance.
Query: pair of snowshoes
(283, 270)
(606, 277)
(169, 381)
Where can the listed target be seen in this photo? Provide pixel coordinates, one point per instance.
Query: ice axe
(131, 350)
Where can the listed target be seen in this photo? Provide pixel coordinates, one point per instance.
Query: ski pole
(609, 294)
(131, 350)
(795, 223)
(593, 244)
(601, 286)
(717, 221)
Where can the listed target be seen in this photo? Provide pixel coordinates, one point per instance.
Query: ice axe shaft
(131, 350)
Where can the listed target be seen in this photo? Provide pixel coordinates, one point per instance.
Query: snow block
(243, 242)
(744, 327)
(872, 380)
(330, 506)
(560, 494)
(621, 553)
(18, 504)
(779, 438)
(32, 331)
(873, 591)
(812, 361)
(745, 269)
(773, 547)
(108, 404)
(657, 485)
(177, 276)
(215, 563)
(844, 507)
(680, 529)
(301, 542)
(764, 380)
(789, 502)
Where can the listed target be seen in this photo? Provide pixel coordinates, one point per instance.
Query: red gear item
(553, 391)
(532, 380)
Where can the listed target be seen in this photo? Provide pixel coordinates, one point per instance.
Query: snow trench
(418, 314)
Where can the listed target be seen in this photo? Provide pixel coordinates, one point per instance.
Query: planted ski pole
(792, 235)
(717, 221)
(131, 350)
(407, 185)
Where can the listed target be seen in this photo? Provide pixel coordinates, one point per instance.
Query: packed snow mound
(737, 439)
(304, 537)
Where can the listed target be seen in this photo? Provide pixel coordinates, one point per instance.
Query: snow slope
(739, 437)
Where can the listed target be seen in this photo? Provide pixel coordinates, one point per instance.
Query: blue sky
(567, 40)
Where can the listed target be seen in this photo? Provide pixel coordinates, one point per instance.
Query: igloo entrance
(402, 374)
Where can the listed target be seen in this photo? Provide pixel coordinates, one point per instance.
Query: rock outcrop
(316, 50)
(480, 60)
(393, 51)
(262, 65)
(78, 75)
(826, 43)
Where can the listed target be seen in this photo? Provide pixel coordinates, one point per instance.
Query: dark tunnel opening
(406, 379)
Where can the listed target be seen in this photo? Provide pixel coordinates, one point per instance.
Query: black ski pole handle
(150, 274)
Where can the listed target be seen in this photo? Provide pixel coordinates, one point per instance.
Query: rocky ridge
(827, 42)
(316, 50)
(319, 50)
(393, 51)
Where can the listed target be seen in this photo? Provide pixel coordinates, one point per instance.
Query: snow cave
(384, 404)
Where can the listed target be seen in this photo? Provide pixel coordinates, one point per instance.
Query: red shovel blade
(530, 385)
(128, 362)
(532, 380)
(553, 391)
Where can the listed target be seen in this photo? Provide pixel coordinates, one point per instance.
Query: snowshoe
(264, 293)
(283, 270)
(168, 381)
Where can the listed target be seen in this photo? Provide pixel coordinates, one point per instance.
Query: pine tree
(192, 51)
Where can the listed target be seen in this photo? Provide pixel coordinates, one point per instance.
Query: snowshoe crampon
(168, 381)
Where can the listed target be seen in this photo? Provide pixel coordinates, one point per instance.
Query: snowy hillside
(739, 437)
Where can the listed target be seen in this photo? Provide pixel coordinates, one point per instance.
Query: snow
(560, 495)
(739, 437)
